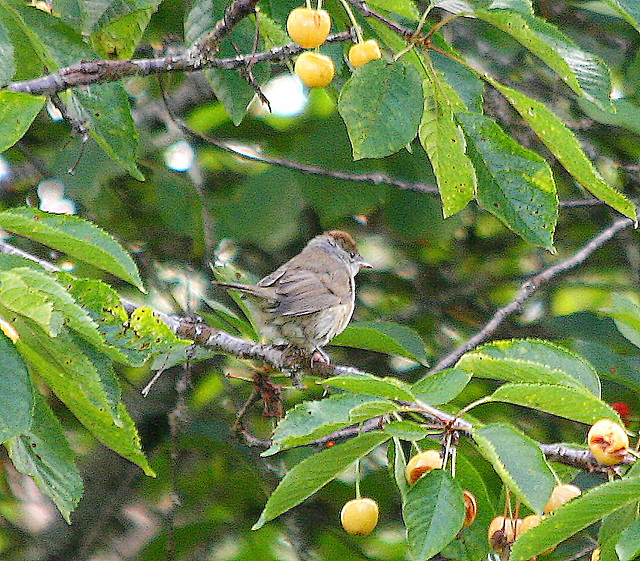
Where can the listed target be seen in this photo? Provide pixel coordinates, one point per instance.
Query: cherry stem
(354, 22)
(308, 2)
(358, 478)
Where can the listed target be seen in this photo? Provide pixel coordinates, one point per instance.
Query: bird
(308, 300)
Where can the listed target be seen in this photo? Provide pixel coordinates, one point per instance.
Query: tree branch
(85, 73)
(218, 340)
(528, 288)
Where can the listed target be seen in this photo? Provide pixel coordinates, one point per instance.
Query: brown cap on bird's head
(346, 242)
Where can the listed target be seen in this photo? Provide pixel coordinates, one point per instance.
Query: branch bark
(528, 289)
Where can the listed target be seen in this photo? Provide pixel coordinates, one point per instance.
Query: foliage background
(443, 278)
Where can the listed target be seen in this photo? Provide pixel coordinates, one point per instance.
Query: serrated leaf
(381, 104)
(43, 453)
(16, 295)
(571, 403)
(565, 146)
(406, 430)
(368, 384)
(15, 391)
(310, 420)
(433, 513)
(48, 289)
(583, 72)
(444, 143)
(131, 340)
(383, 337)
(115, 429)
(314, 472)
(576, 515)
(628, 9)
(17, 112)
(626, 314)
(519, 461)
(531, 360)
(105, 107)
(628, 546)
(441, 387)
(74, 236)
(513, 183)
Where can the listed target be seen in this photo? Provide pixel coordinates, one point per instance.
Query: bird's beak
(365, 265)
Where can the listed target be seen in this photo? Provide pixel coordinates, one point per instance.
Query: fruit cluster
(503, 530)
(309, 28)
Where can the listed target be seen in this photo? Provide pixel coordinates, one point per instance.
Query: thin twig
(528, 288)
(248, 153)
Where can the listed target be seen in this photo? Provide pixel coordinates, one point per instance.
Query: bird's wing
(304, 291)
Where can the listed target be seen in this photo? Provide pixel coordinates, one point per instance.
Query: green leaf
(441, 387)
(381, 104)
(444, 143)
(131, 340)
(17, 112)
(106, 106)
(397, 466)
(7, 61)
(387, 387)
(66, 354)
(626, 314)
(471, 543)
(314, 472)
(610, 365)
(15, 391)
(513, 183)
(119, 37)
(16, 295)
(519, 461)
(115, 430)
(310, 420)
(583, 72)
(43, 453)
(383, 337)
(576, 515)
(565, 146)
(628, 546)
(628, 9)
(406, 430)
(74, 236)
(571, 403)
(531, 360)
(433, 513)
(370, 409)
(404, 8)
(611, 529)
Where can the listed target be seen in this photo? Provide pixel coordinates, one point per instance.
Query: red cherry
(622, 409)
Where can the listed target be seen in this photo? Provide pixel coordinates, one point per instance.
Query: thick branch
(528, 288)
(86, 73)
(218, 340)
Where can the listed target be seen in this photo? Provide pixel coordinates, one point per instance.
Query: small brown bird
(310, 299)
